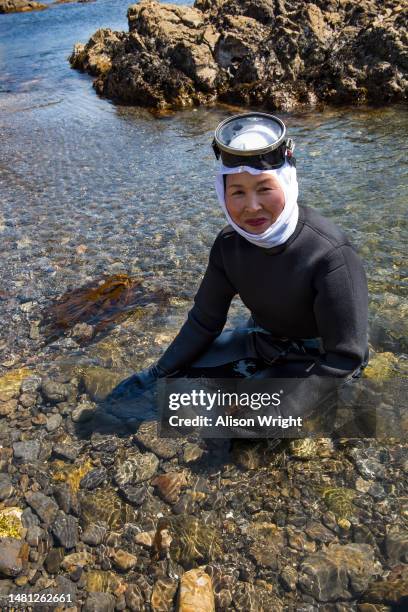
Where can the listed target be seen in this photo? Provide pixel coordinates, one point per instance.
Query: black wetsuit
(312, 286)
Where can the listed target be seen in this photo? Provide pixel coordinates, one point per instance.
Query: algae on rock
(10, 523)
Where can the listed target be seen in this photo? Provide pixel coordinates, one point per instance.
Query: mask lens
(250, 133)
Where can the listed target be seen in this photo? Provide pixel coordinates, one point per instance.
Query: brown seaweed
(100, 304)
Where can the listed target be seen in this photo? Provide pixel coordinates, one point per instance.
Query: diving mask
(254, 139)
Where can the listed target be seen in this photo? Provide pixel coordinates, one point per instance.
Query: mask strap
(216, 149)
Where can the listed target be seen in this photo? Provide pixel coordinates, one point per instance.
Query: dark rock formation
(275, 53)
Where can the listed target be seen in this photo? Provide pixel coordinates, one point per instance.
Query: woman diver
(294, 269)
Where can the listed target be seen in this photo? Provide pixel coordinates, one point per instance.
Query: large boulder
(275, 53)
(341, 572)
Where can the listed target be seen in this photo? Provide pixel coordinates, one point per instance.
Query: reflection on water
(89, 188)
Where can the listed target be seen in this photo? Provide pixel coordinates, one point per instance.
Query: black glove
(136, 384)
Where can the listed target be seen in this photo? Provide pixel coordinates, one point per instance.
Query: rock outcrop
(281, 54)
(23, 6)
(20, 6)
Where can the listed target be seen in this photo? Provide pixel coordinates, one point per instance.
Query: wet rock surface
(26, 451)
(65, 530)
(99, 602)
(93, 479)
(340, 573)
(6, 487)
(278, 54)
(11, 556)
(123, 519)
(45, 507)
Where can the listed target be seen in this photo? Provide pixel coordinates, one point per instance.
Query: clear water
(137, 191)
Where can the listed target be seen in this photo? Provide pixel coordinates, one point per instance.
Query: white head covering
(285, 224)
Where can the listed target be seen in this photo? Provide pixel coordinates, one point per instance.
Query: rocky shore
(278, 54)
(24, 6)
(96, 506)
(20, 6)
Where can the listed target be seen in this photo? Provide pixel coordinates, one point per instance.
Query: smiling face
(254, 202)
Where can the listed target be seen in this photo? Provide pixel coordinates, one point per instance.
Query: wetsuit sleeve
(206, 319)
(341, 312)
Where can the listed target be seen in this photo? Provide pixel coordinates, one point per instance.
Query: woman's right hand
(137, 384)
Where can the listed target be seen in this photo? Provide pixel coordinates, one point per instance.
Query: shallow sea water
(89, 188)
